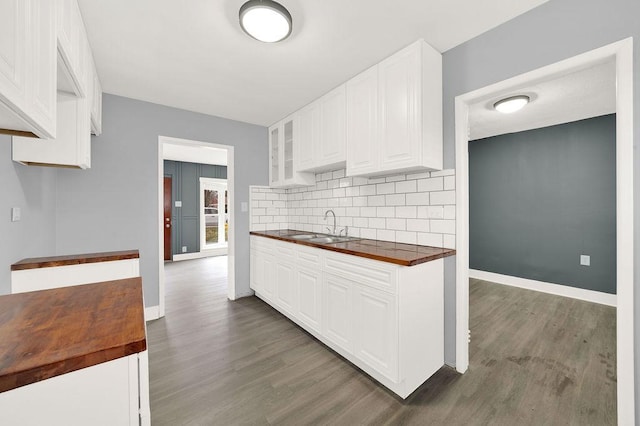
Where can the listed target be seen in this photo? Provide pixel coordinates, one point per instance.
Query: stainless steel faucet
(334, 220)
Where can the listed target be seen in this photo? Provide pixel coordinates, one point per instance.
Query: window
(214, 213)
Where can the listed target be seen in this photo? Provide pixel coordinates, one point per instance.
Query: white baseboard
(151, 313)
(557, 289)
(200, 254)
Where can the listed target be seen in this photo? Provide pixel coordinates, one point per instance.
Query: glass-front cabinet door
(274, 146)
(288, 149)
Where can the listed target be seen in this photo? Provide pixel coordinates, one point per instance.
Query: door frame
(164, 222)
(231, 276)
(622, 53)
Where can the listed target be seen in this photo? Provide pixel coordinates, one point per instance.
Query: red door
(167, 218)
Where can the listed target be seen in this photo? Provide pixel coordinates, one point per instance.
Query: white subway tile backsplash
(406, 186)
(407, 212)
(443, 226)
(449, 183)
(395, 200)
(385, 188)
(397, 224)
(419, 225)
(415, 208)
(449, 241)
(443, 197)
(431, 184)
(418, 199)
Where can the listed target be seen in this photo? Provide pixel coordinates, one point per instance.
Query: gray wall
(114, 205)
(185, 181)
(541, 198)
(33, 190)
(554, 31)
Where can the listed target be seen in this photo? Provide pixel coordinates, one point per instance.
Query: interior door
(167, 218)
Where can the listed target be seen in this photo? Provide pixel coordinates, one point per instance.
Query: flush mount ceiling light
(265, 20)
(511, 104)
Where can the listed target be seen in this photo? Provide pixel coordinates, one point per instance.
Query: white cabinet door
(287, 149)
(274, 155)
(309, 282)
(337, 315)
(362, 122)
(254, 273)
(400, 109)
(14, 31)
(332, 147)
(96, 104)
(263, 275)
(286, 287)
(72, 47)
(41, 91)
(308, 140)
(376, 330)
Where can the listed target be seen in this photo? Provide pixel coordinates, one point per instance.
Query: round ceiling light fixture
(511, 104)
(265, 20)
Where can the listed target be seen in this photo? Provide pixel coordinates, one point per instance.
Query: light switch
(178, 203)
(585, 260)
(244, 206)
(15, 214)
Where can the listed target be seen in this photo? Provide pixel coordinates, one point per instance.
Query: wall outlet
(585, 260)
(178, 203)
(184, 249)
(15, 214)
(244, 207)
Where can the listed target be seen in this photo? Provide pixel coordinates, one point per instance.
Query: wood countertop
(385, 251)
(75, 259)
(47, 333)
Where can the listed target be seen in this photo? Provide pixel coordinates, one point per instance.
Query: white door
(332, 127)
(214, 214)
(400, 109)
(337, 315)
(376, 330)
(309, 296)
(362, 122)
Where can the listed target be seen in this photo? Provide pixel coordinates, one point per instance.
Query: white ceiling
(194, 153)
(193, 54)
(581, 94)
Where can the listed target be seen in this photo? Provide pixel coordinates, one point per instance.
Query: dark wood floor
(535, 359)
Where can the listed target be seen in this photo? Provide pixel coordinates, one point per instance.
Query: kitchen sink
(331, 239)
(304, 236)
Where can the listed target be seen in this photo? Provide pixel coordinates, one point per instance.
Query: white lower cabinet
(110, 394)
(337, 324)
(385, 318)
(375, 317)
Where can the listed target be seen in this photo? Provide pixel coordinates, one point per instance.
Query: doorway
(214, 215)
(203, 153)
(622, 54)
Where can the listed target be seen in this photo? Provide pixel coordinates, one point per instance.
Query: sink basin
(331, 239)
(304, 236)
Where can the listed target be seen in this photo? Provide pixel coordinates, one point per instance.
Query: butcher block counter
(74, 355)
(384, 251)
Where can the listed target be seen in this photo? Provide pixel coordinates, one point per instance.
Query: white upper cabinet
(72, 42)
(27, 67)
(408, 111)
(362, 119)
(71, 91)
(283, 164)
(308, 136)
(332, 147)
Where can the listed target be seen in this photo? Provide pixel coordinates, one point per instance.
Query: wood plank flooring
(535, 359)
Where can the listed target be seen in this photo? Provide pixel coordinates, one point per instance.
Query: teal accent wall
(185, 181)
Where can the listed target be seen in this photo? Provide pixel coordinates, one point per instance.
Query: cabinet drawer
(262, 243)
(285, 251)
(363, 271)
(309, 257)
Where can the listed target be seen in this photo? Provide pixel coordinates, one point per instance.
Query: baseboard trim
(151, 313)
(557, 289)
(200, 255)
